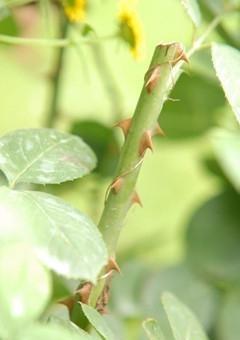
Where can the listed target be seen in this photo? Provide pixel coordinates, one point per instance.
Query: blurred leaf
(191, 112)
(126, 293)
(193, 10)
(227, 148)
(213, 237)
(44, 156)
(60, 288)
(98, 322)
(51, 332)
(228, 326)
(226, 61)
(200, 296)
(103, 142)
(24, 288)
(65, 240)
(183, 323)
(153, 330)
(8, 26)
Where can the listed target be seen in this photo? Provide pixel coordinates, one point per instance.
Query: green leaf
(98, 322)
(213, 238)
(200, 296)
(228, 326)
(44, 156)
(226, 61)
(153, 330)
(64, 239)
(193, 10)
(227, 149)
(52, 332)
(103, 142)
(183, 323)
(24, 287)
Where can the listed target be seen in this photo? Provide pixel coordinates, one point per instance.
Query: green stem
(144, 120)
(56, 78)
(7, 39)
(156, 87)
(221, 30)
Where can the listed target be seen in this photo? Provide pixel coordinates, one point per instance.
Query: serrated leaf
(153, 330)
(24, 288)
(64, 239)
(226, 61)
(182, 321)
(44, 156)
(51, 332)
(98, 322)
(227, 149)
(193, 10)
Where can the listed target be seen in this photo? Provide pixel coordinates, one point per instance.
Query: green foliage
(183, 323)
(226, 61)
(153, 330)
(24, 290)
(193, 10)
(44, 156)
(213, 238)
(227, 148)
(50, 252)
(98, 322)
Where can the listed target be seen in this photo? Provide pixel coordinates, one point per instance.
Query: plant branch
(56, 78)
(221, 30)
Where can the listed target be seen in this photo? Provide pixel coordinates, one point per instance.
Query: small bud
(117, 184)
(146, 142)
(124, 125)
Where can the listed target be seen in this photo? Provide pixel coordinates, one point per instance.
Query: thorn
(84, 292)
(180, 55)
(157, 130)
(124, 125)
(112, 265)
(152, 77)
(68, 302)
(117, 184)
(146, 142)
(136, 199)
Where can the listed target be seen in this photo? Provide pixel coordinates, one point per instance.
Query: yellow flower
(130, 27)
(75, 10)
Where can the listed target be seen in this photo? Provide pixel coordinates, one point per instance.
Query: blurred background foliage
(186, 238)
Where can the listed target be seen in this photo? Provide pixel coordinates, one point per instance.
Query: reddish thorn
(124, 125)
(136, 199)
(152, 77)
(146, 142)
(158, 131)
(112, 265)
(180, 55)
(117, 184)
